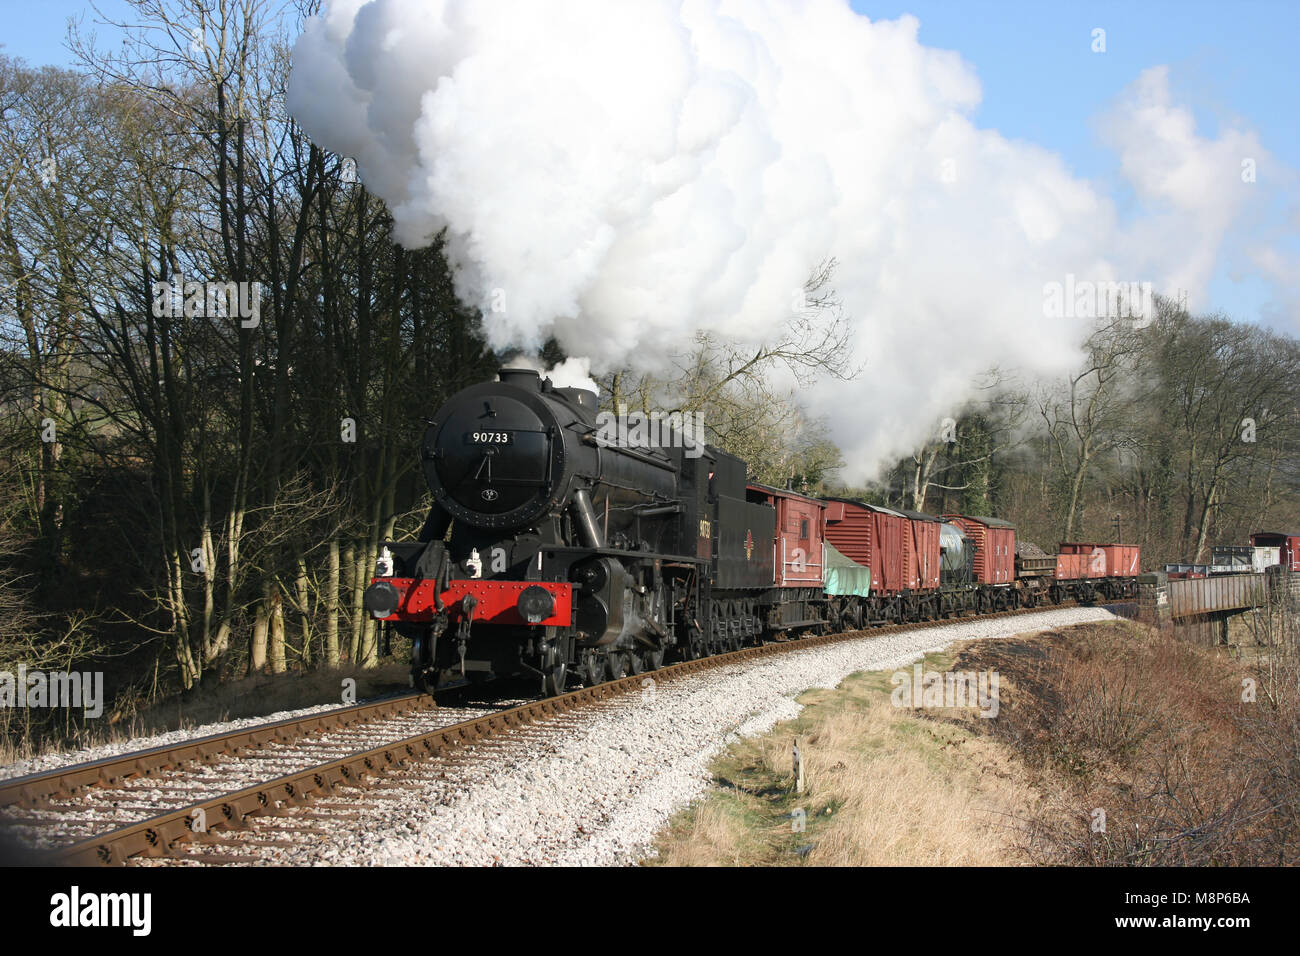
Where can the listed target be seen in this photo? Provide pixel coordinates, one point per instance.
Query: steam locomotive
(569, 555)
(578, 556)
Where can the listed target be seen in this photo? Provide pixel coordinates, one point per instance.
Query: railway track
(42, 812)
(74, 815)
(36, 789)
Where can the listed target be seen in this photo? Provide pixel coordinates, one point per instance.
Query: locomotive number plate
(489, 438)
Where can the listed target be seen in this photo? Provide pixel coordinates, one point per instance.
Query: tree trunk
(277, 630)
(304, 610)
(332, 607)
(363, 627)
(206, 637)
(924, 467)
(257, 643)
(1076, 491)
(190, 669)
(357, 577)
(1203, 529)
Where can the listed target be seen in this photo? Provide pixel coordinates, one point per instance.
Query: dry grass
(885, 786)
(1145, 749)
(1115, 718)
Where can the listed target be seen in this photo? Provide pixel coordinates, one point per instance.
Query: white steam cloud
(573, 372)
(622, 174)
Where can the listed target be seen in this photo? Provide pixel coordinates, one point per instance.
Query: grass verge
(1113, 744)
(884, 786)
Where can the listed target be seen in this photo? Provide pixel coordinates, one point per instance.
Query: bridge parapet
(1153, 600)
(1190, 597)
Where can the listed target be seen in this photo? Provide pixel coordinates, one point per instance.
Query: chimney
(525, 378)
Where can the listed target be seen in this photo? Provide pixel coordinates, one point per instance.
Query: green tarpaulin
(844, 575)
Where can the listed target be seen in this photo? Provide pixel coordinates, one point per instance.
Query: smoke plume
(619, 175)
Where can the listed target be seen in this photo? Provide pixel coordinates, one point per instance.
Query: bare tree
(1092, 414)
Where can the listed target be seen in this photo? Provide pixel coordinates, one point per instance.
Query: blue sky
(1041, 80)
(1231, 63)
(35, 30)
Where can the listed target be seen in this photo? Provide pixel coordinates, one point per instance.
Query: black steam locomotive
(572, 557)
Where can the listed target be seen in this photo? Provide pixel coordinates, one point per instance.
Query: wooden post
(800, 781)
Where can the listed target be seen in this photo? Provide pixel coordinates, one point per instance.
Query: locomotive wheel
(654, 659)
(636, 662)
(555, 674)
(553, 683)
(593, 669)
(419, 680)
(616, 665)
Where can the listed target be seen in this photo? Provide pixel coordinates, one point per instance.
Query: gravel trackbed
(597, 792)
